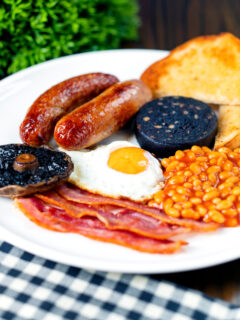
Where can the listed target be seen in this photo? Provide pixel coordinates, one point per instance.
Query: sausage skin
(38, 124)
(102, 116)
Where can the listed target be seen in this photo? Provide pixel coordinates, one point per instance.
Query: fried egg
(119, 169)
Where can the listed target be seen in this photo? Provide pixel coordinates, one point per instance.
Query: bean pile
(202, 184)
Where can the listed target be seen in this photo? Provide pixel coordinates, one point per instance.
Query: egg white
(92, 173)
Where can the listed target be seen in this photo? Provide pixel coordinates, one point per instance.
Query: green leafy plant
(32, 31)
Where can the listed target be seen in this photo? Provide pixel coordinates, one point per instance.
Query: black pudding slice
(168, 124)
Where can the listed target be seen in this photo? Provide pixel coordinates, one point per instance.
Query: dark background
(166, 24)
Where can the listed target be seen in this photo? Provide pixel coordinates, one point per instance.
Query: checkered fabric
(38, 289)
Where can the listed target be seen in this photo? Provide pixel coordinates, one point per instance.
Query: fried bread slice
(205, 68)
(228, 127)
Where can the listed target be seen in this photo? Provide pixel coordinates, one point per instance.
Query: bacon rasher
(75, 194)
(115, 218)
(57, 219)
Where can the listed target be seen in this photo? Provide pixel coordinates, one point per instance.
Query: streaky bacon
(115, 218)
(76, 194)
(57, 219)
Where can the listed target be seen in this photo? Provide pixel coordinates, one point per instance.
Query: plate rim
(18, 74)
(48, 253)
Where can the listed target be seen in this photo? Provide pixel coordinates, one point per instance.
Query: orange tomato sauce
(202, 184)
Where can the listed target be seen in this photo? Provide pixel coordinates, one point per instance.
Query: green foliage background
(32, 31)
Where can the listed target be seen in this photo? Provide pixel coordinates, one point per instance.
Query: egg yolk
(129, 160)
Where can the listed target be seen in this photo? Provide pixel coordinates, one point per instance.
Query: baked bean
(165, 162)
(196, 181)
(224, 185)
(224, 175)
(231, 222)
(216, 200)
(171, 192)
(214, 154)
(172, 166)
(177, 206)
(228, 166)
(225, 192)
(173, 212)
(195, 168)
(213, 169)
(232, 180)
(235, 170)
(176, 180)
(197, 149)
(206, 149)
(201, 210)
(158, 197)
(187, 174)
(184, 191)
(188, 185)
(213, 161)
(181, 165)
(191, 155)
(216, 216)
(230, 212)
(186, 204)
(190, 214)
(201, 159)
(208, 189)
(195, 200)
(211, 195)
(236, 191)
(232, 155)
(179, 154)
(167, 204)
(231, 198)
(179, 198)
(224, 204)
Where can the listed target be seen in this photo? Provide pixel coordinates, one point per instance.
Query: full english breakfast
(179, 172)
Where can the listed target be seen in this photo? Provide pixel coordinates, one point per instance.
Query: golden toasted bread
(205, 68)
(228, 127)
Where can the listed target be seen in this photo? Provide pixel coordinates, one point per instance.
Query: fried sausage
(38, 125)
(102, 116)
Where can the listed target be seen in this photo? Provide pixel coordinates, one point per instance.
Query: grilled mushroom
(25, 170)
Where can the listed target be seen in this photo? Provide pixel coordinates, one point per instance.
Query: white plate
(17, 93)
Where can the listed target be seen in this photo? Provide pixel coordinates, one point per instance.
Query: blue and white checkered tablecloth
(38, 289)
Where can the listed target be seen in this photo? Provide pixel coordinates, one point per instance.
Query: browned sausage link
(38, 125)
(102, 116)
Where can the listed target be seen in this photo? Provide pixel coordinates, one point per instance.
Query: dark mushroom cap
(52, 167)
